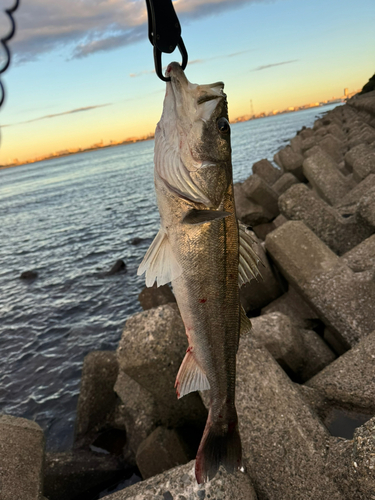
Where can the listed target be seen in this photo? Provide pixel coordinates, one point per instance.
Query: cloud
(71, 111)
(83, 27)
(266, 66)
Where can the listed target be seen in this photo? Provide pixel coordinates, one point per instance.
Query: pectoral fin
(190, 376)
(249, 260)
(201, 216)
(245, 323)
(159, 263)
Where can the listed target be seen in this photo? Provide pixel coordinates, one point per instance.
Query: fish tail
(220, 445)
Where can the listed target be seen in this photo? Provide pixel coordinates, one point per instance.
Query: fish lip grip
(164, 33)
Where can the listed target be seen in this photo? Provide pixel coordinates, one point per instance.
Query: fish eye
(223, 125)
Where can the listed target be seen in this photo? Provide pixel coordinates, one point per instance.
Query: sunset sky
(82, 69)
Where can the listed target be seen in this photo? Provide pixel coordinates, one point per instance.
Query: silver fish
(206, 254)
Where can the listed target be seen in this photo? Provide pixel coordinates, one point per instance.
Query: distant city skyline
(83, 72)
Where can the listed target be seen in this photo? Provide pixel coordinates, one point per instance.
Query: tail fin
(220, 445)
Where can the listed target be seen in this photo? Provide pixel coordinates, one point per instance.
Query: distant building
(346, 92)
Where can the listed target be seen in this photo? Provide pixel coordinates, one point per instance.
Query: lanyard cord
(4, 42)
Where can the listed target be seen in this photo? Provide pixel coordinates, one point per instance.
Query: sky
(82, 70)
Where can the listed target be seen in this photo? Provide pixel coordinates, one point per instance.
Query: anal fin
(190, 376)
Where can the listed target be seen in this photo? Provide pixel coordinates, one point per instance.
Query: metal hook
(158, 64)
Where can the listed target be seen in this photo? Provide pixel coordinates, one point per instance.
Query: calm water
(70, 219)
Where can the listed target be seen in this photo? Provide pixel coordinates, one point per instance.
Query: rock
(247, 211)
(363, 459)
(331, 145)
(350, 379)
(308, 143)
(276, 333)
(295, 143)
(257, 294)
(348, 205)
(366, 208)
(279, 221)
(291, 162)
(355, 153)
(283, 444)
(139, 413)
(340, 468)
(336, 131)
(292, 305)
(262, 230)
(267, 171)
(305, 133)
(364, 166)
(97, 399)
(136, 241)
(342, 299)
(340, 234)
(21, 459)
(258, 191)
(68, 476)
(160, 451)
(29, 275)
(155, 296)
(117, 267)
(151, 350)
(325, 178)
(284, 183)
(362, 257)
(180, 484)
(317, 354)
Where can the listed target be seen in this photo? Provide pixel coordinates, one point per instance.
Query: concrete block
(284, 183)
(291, 162)
(21, 459)
(280, 337)
(336, 131)
(151, 349)
(258, 191)
(363, 458)
(366, 208)
(155, 296)
(283, 443)
(261, 230)
(279, 221)
(340, 468)
(257, 294)
(364, 166)
(340, 234)
(317, 354)
(267, 171)
(325, 178)
(180, 484)
(348, 205)
(355, 153)
(97, 398)
(308, 143)
(160, 451)
(350, 379)
(331, 145)
(362, 257)
(295, 144)
(68, 476)
(247, 211)
(342, 299)
(305, 133)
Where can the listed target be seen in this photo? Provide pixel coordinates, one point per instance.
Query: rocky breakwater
(305, 373)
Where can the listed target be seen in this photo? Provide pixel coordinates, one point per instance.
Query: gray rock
(336, 131)
(340, 468)
(348, 204)
(283, 443)
(284, 183)
(278, 335)
(279, 221)
(21, 459)
(151, 350)
(267, 171)
(363, 459)
(325, 178)
(258, 191)
(342, 299)
(97, 399)
(305, 133)
(355, 153)
(295, 144)
(261, 230)
(317, 354)
(340, 234)
(247, 211)
(68, 476)
(308, 143)
(291, 162)
(155, 296)
(117, 267)
(364, 166)
(366, 208)
(160, 451)
(180, 484)
(331, 145)
(362, 257)
(29, 275)
(350, 379)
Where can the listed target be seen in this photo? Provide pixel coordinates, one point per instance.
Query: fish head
(195, 129)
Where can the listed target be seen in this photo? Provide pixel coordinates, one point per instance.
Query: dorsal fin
(249, 260)
(159, 263)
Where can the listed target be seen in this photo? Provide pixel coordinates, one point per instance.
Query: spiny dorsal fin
(201, 216)
(190, 376)
(249, 260)
(159, 263)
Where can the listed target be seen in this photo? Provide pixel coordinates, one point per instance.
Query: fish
(206, 254)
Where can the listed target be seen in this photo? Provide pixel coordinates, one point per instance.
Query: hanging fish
(205, 252)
